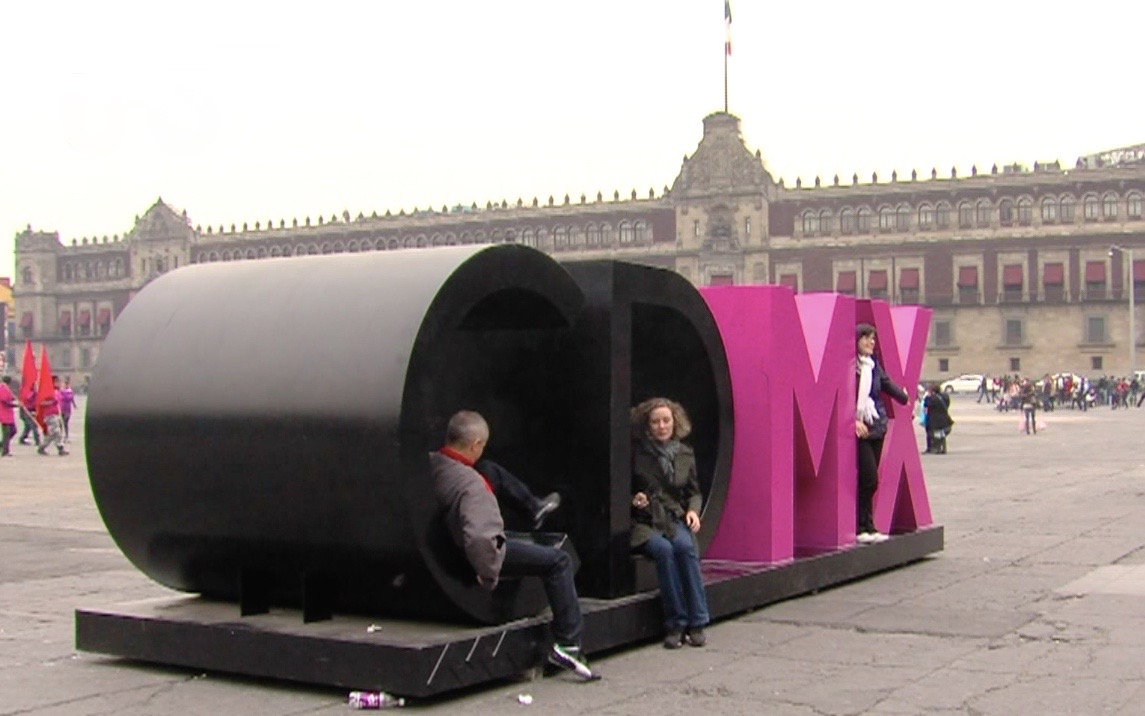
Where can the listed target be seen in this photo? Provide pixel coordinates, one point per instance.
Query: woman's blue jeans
(681, 584)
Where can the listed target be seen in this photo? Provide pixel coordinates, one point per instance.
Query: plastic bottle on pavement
(375, 700)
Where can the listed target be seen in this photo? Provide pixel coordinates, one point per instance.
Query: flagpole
(725, 80)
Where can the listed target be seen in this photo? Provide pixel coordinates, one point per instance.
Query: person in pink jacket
(8, 406)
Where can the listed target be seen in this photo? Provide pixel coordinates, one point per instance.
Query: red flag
(46, 391)
(27, 374)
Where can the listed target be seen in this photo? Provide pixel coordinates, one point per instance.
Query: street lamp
(1132, 311)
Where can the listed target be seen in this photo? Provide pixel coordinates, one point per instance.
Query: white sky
(253, 111)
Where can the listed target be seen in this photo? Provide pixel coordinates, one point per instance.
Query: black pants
(869, 453)
(554, 567)
(508, 487)
(9, 430)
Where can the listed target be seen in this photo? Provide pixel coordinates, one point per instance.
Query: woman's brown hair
(681, 426)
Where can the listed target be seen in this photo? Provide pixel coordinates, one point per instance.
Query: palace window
(810, 223)
(942, 216)
(640, 230)
(1049, 210)
(1067, 210)
(925, 217)
(863, 219)
(877, 284)
(592, 235)
(1025, 212)
(561, 237)
(942, 333)
(886, 218)
(1053, 281)
(1095, 329)
(908, 285)
(1014, 332)
(965, 215)
(984, 211)
(625, 233)
(1092, 208)
(847, 221)
(1006, 212)
(1095, 280)
(1012, 282)
(1109, 206)
(845, 283)
(1133, 206)
(605, 235)
(576, 239)
(826, 222)
(902, 218)
(968, 284)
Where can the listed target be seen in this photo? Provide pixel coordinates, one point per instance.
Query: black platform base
(419, 659)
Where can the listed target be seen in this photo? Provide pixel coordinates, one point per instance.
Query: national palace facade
(1016, 262)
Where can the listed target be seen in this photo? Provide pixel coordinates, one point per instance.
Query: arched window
(639, 230)
(592, 235)
(561, 238)
(352, 247)
(902, 218)
(1049, 210)
(466, 237)
(942, 215)
(160, 267)
(983, 210)
(605, 235)
(409, 242)
(313, 249)
(1133, 206)
(965, 215)
(495, 236)
(1109, 206)
(576, 238)
(625, 233)
(226, 257)
(1066, 209)
(450, 239)
(847, 221)
(925, 217)
(214, 256)
(326, 247)
(394, 244)
(863, 219)
(826, 222)
(1025, 211)
(527, 238)
(69, 273)
(480, 238)
(1006, 212)
(251, 254)
(542, 236)
(438, 240)
(275, 252)
(1092, 208)
(810, 223)
(886, 218)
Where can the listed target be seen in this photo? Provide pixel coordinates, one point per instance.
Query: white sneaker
(864, 537)
(876, 537)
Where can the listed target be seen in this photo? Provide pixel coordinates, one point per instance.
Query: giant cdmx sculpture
(257, 435)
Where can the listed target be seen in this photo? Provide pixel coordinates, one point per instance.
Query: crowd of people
(1063, 390)
(46, 421)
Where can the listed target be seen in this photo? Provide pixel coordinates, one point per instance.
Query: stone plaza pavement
(1037, 605)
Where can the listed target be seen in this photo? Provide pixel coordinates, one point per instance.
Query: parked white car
(965, 383)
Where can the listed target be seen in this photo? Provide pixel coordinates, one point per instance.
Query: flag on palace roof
(728, 26)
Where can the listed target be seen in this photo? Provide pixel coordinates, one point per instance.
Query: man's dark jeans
(526, 559)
